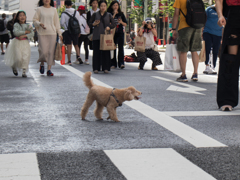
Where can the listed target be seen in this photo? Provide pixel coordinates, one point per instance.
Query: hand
(96, 22)
(174, 34)
(115, 12)
(222, 21)
(27, 32)
(42, 25)
(61, 38)
(120, 21)
(22, 37)
(79, 35)
(107, 28)
(143, 23)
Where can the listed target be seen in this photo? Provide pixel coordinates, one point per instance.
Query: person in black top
(10, 24)
(228, 76)
(121, 22)
(94, 4)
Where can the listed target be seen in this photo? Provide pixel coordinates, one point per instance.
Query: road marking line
(202, 113)
(189, 134)
(190, 88)
(19, 166)
(155, 164)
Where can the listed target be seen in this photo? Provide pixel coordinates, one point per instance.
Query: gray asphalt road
(41, 115)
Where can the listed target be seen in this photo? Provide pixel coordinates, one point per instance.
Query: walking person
(149, 32)
(85, 30)
(47, 24)
(4, 37)
(212, 35)
(94, 5)
(189, 39)
(71, 34)
(101, 21)
(10, 25)
(18, 53)
(228, 76)
(121, 22)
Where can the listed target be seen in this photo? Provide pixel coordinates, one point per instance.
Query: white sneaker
(86, 62)
(206, 71)
(212, 71)
(76, 62)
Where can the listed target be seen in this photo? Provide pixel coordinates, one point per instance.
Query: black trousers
(101, 59)
(118, 40)
(84, 38)
(228, 76)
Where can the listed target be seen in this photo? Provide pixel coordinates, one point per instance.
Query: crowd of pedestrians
(218, 24)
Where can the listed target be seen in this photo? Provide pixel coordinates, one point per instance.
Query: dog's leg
(98, 111)
(112, 114)
(86, 106)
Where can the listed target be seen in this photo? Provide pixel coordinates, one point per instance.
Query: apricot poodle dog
(106, 97)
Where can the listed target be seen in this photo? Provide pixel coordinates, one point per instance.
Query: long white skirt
(18, 54)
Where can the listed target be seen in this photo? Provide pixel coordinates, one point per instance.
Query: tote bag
(171, 62)
(140, 43)
(106, 42)
(58, 52)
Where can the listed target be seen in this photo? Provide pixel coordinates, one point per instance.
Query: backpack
(2, 26)
(87, 29)
(196, 16)
(73, 24)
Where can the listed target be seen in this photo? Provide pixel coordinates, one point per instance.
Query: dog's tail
(87, 79)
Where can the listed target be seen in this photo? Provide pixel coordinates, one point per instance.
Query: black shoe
(15, 72)
(2, 53)
(49, 73)
(41, 69)
(69, 63)
(80, 60)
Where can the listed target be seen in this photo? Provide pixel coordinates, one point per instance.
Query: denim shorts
(189, 39)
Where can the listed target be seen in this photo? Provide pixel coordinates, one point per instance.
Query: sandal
(227, 108)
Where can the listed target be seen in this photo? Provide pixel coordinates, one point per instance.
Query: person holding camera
(121, 22)
(149, 32)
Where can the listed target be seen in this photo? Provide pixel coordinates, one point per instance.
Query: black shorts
(4, 38)
(68, 38)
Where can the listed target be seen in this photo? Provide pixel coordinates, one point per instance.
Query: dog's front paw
(108, 118)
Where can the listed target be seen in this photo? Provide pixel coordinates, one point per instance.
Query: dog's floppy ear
(128, 95)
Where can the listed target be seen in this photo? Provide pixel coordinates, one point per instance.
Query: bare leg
(183, 62)
(49, 67)
(69, 51)
(7, 45)
(77, 50)
(195, 60)
(233, 50)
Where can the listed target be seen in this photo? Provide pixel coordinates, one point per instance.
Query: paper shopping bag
(140, 43)
(202, 55)
(58, 52)
(172, 62)
(106, 42)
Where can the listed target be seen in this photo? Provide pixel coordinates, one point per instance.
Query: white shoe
(212, 71)
(76, 62)
(86, 62)
(206, 71)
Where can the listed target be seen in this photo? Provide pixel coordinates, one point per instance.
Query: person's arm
(57, 24)
(92, 22)
(175, 22)
(17, 30)
(112, 25)
(36, 18)
(154, 31)
(219, 8)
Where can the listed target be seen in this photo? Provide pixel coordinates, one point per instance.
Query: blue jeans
(211, 41)
(118, 39)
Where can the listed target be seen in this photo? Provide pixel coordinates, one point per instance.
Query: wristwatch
(173, 29)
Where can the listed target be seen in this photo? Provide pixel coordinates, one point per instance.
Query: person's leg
(96, 56)
(2, 47)
(121, 51)
(69, 51)
(80, 40)
(195, 60)
(106, 61)
(86, 43)
(114, 60)
(142, 58)
(155, 57)
(208, 45)
(216, 45)
(228, 76)
(183, 62)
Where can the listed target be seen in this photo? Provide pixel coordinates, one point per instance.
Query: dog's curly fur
(103, 99)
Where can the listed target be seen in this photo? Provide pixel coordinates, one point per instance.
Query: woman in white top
(94, 4)
(147, 30)
(47, 23)
(84, 32)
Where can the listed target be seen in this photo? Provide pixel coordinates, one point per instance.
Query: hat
(148, 20)
(81, 8)
(153, 20)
